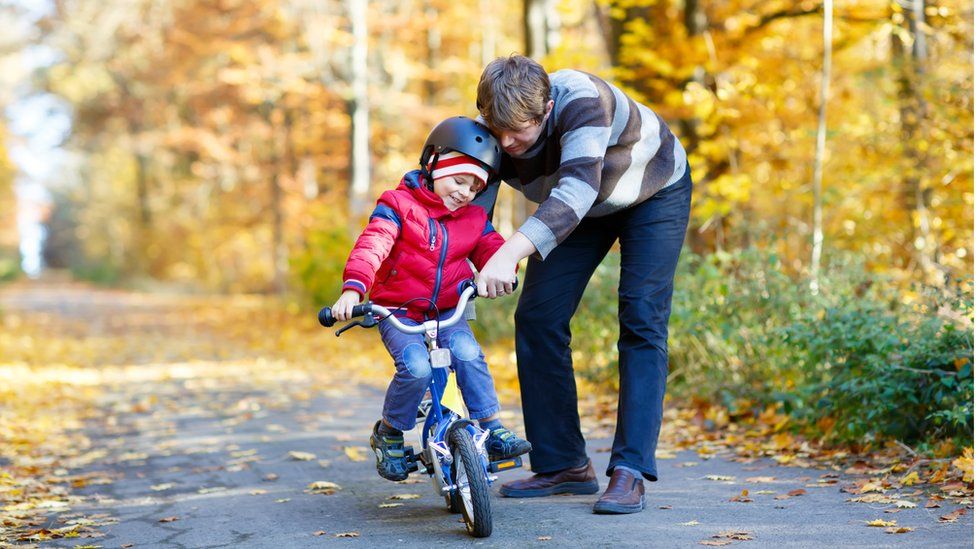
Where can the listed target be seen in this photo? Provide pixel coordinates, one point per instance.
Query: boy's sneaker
(504, 444)
(391, 462)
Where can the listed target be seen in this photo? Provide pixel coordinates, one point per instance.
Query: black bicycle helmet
(464, 135)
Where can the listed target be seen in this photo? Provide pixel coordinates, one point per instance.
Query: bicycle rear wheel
(472, 485)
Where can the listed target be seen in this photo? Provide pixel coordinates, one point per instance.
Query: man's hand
(342, 310)
(497, 277)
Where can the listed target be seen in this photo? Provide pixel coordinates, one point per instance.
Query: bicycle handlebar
(326, 319)
(468, 289)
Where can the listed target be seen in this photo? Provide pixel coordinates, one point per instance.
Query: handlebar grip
(326, 319)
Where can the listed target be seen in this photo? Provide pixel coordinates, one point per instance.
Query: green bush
(9, 265)
(872, 361)
(879, 369)
(317, 267)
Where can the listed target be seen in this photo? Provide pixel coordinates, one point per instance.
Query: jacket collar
(414, 182)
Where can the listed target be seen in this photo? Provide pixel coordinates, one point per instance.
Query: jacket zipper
(440, 263)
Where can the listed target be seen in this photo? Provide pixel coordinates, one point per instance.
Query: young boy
(417, 245)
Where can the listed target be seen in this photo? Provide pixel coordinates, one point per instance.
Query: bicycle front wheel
(471, 484)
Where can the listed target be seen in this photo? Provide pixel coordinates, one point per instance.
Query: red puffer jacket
(414, 247)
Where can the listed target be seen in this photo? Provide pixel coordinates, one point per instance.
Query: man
(603, 169)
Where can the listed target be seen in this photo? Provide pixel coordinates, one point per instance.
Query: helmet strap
(428, 178)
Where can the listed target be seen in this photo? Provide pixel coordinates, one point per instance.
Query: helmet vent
(478, 138)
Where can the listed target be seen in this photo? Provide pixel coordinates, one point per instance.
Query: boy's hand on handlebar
(342, 310)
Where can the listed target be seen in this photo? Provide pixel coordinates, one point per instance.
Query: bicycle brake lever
(368, 321)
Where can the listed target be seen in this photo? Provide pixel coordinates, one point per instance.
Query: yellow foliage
(965, 464)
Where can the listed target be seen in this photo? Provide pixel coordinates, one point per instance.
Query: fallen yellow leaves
(301, 456)
(743, 497)
(404, 496)
(872, 498)
(355, 453)
(910, 479)
(881, 523)
(965, 464)
(899, 530)
(322, 487)
(872, 487)
(348, 535)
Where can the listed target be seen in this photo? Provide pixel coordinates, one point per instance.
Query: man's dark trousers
(651, 235)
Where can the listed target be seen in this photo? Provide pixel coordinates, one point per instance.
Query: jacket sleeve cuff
(355, 286)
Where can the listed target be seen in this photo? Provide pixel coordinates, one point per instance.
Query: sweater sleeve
(582, 125)
(373, 246)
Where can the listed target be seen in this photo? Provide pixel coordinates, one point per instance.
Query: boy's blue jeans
(413, 372)
(651, 235)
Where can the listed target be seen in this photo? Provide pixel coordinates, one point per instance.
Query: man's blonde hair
(512, 91)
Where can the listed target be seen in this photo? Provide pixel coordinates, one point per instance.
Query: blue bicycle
(452, 446)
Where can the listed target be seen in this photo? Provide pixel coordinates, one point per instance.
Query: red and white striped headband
(455, 163)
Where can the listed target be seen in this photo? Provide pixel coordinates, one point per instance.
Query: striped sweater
(599, 153)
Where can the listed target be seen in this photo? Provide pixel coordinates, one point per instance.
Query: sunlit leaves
(965, 464)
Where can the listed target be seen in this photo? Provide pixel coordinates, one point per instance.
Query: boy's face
(515, 141)
(457, 190)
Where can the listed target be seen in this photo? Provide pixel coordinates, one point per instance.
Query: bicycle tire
(472, 486)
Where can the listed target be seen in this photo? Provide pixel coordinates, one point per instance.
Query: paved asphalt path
(228, 481)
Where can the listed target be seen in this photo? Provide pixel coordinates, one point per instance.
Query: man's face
(515, 141)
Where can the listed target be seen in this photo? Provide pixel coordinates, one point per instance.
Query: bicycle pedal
(505, 464)
(412, 459)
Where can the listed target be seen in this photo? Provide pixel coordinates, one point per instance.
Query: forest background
(236, 146)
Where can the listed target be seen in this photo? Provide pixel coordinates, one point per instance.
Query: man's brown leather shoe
(579, 480)
(625, 494)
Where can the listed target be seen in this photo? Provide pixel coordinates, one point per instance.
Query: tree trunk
(909, 54)
(359, 115)
(433, 50)
(695, 24)
(279, 254)
(540, 22)
(818, 158)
